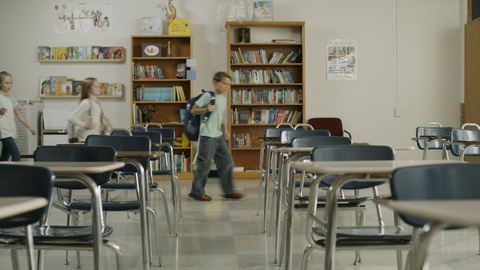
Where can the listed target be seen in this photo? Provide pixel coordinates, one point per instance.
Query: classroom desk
(349, 171)
(293, 154)
(77, 171)
(434, 138)
(11, 206)
(441, 214)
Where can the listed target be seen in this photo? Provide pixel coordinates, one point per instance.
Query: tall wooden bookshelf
(153, 76)
(268, 80)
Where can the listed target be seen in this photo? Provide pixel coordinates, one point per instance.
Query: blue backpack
(192, 122)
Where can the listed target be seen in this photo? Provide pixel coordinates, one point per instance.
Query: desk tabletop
(363, 167)
(453, 212)
(73, 167)
(139, 154)
(11, 206)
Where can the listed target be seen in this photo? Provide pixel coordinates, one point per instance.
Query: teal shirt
(213, 127)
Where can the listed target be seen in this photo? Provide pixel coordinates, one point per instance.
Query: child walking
(88, 117)
(212, 142)
(8, 110)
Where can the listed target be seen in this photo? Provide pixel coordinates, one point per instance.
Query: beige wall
(429, 59)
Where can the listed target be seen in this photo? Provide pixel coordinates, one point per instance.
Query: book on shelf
(181, 70)
(66, 88)
(241, 140)
(45, 85)
(179, 93)
(115, 89)
(182, 115)
(60, 53)
(44, 53)
(77, 88)
(63, 86)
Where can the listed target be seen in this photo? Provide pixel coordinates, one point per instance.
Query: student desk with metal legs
(348, 171)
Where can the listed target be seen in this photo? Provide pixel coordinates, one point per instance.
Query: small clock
(151, 50)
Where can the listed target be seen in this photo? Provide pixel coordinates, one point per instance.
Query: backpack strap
(212, 102)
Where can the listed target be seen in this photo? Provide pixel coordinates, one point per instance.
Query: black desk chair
(58, 237)
(356, 237)
(433, 182)
(29, 181)
(313, 142)
(127, 143)
(156, 140)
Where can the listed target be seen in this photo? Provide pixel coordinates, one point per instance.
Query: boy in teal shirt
(212, 142)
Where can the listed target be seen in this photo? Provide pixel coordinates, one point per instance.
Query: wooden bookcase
(167, 111)
(260, 94)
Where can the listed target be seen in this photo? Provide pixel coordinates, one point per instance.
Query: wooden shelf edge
(84, 61)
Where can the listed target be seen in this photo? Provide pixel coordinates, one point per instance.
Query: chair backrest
(286, 136)
(352, 153)
(274, 132)
(119, 132)
(457, 181)
(168, 135)
(137, 127)
(124, 143)
(458, 134)
(332, 124)
(319, 141)
(25, 180)
(430, 131)
(79, 153)
(155, 137)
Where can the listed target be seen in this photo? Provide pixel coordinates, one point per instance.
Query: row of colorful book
(169, 93)
(260, 57)
(262, 76)
(265, 116)
(68, 86)
(241, 140)
(182, 163)
(266, 96)
(80, 52)
(147, 72)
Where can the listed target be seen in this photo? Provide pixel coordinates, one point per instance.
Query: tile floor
(226, 235)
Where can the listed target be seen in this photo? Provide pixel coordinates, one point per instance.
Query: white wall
(430, 53)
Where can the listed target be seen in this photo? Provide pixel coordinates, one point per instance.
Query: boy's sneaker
(203, 197)
(234, 196)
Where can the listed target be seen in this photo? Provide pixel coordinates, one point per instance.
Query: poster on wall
(79, 17)
(342, 59)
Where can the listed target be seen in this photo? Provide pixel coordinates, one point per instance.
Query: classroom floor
(227, 235)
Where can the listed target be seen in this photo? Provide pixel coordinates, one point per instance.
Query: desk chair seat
(356, 237)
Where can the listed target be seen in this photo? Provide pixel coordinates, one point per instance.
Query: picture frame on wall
(263, 11)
